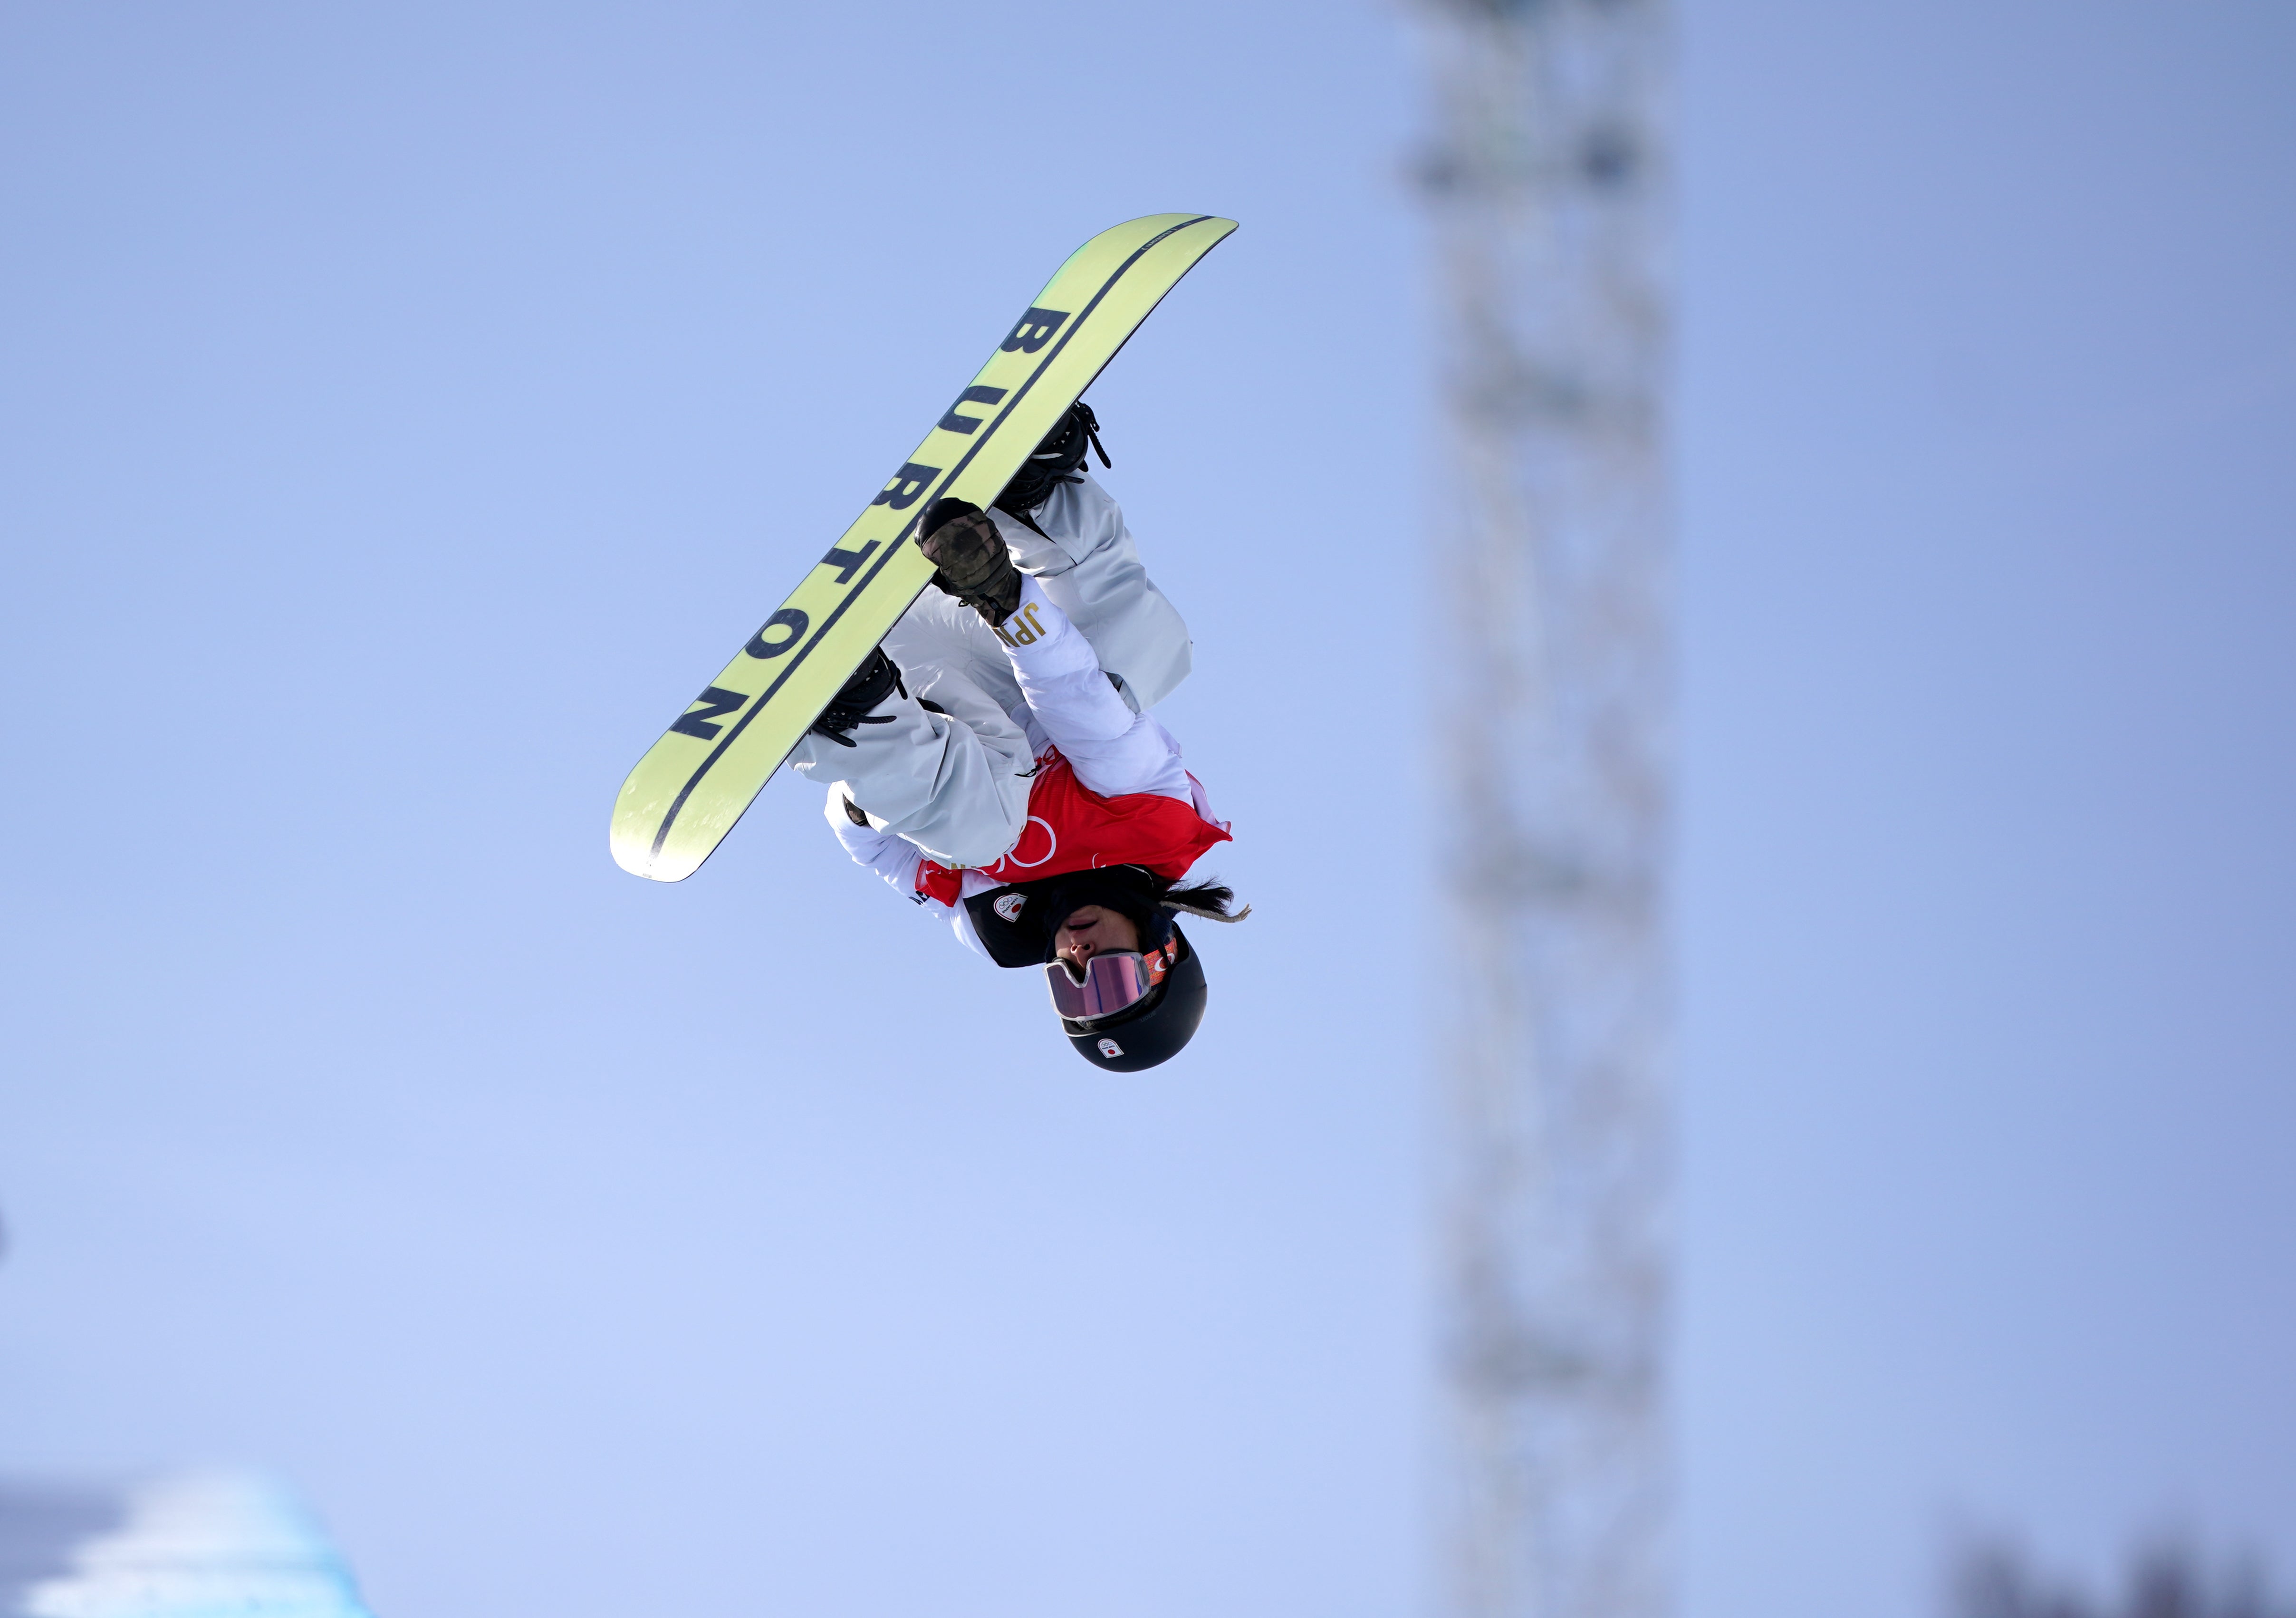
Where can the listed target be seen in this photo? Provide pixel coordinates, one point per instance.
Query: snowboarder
(996, 757)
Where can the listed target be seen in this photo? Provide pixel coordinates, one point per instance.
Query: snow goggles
(1105, 985)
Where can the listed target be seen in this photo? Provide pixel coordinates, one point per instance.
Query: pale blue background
(405, 408)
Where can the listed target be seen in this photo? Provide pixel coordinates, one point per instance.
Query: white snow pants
(955, 782)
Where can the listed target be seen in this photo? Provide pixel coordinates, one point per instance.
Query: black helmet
(1017, 925)
(1154, 1029)
(1054, 460)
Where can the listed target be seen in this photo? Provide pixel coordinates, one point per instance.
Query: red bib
(1073, 828)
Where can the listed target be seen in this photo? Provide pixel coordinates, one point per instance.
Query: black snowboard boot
(971, 560)
(871, 683)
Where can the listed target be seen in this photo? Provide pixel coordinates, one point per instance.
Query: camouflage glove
(970, 559)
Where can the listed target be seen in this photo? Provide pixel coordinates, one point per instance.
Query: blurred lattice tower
(1545, 179)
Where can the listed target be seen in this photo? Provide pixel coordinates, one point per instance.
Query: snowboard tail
(694, 783)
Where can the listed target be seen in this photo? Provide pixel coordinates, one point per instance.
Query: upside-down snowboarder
(996, 757)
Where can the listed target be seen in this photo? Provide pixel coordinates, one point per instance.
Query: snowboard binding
(871, 683)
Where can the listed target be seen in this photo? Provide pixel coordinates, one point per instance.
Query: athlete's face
(1095, 930)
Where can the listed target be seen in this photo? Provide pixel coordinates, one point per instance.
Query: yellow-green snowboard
(692, 785)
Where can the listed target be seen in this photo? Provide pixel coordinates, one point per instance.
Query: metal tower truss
(1546, 181)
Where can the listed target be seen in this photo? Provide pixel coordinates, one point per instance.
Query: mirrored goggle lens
(1111, 983)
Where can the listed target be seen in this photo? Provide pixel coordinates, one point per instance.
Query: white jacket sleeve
(1113, 750)
(894, 858)
(1078, 547)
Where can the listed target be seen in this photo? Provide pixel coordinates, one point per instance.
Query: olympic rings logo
(1052, 846)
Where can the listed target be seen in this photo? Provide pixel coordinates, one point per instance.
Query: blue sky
(405, 411)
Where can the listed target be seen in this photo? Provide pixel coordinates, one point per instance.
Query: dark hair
(1211, 896)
